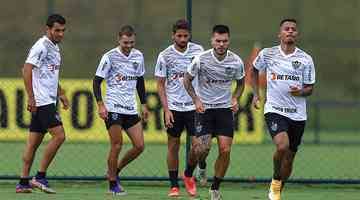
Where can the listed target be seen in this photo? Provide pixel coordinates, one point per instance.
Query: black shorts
(44, 118)
(182, 120)
(125, 121)
(277, 123)
(217, 121)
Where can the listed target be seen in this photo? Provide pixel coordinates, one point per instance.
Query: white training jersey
(172, 65)
(45, 57)
(283, 71)
(121, 73)
(215, 77)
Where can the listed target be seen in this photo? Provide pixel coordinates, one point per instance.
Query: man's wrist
(195, 98)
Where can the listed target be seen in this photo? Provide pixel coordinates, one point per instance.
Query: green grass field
(324, 161)
(158, 191)
(247, 161)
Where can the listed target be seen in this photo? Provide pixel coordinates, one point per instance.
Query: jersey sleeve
(141, 71)
(194, 67)
(36, 55)
(259, 62)
(160, 68)
(240, 72)
(309, 73)
(103, 67)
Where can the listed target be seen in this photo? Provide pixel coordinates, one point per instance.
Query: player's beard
(290, 41)
(54, 39)
(126, 50)
(221, 53)
(181, 45)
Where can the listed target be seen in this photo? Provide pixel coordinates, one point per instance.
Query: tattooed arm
(191, 91)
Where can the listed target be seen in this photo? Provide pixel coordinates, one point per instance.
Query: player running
(290, 78)
(214, 70)
(179, 110)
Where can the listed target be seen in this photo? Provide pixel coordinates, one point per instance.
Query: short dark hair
(220, 28)
(126, 30)
(55, 18)
(287, 20)
(181, 24)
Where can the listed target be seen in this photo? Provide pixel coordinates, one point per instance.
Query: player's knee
(204, 150)
(173, 148)
(26, 160)
(140, 148)
(225, 150)
(60, 138)
(282, 148)
(116, 145)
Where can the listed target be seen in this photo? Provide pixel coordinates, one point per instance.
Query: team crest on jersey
(114, 116)
(296, 64)
(274, 126)
(229, 71)
(135, 65)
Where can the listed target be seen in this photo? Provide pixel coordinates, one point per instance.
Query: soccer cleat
(117, 190)
(174, 192)
(214, 194)
(275, 190)
(42, 184)
(190, 185)
(201, 176)
(23, 188)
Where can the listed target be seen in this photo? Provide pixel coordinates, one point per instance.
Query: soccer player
(123, 69)
(290, 77)
(179, 110)
(41, 79)
(215, 70)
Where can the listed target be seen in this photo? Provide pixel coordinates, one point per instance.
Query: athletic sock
(173, 175)
(202, 164)
(40, 175)
(112, 184)
(189, 170)
(216, 184)
(24, 181)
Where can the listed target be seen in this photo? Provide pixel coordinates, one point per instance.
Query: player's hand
(199, 106)
(31, 107)
(145, 112)
(256, 102)
(169, 118)
(65, 102)
(295, 91)
(102, 111)
(234, 105)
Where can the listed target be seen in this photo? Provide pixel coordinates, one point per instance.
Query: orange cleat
(174, 192)
(190, 185)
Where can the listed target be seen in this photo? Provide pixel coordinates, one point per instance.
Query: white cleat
(42, 184)
(215, 195)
